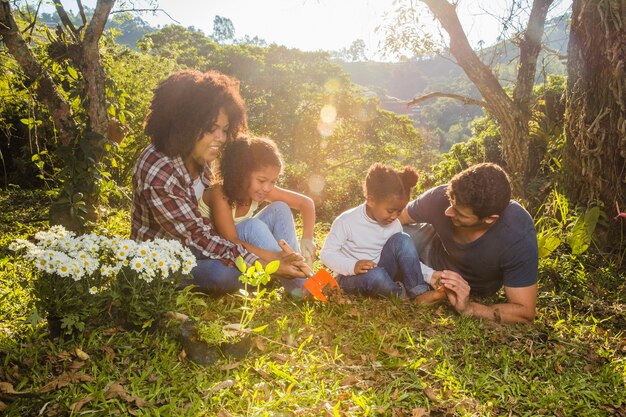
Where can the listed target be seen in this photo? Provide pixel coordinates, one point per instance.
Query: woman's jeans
(398, 269)
(264, 230)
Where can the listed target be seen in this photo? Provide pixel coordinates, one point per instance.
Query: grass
(360, 357)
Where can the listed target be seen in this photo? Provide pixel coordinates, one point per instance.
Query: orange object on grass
(317, 281)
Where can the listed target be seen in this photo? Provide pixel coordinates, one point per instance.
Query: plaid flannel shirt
(165, 206)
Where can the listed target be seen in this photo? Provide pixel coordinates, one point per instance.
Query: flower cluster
(63, 253)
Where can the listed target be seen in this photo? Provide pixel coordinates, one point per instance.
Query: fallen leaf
(81, 355)
(395, 394)
(223, 413)
(589, 368)
(109, 353)
(152, 378)
(117, 390)
(431, 394)
(264, 374)
(349, 380)
(173, 315)
(76, 407)
(7, 388)
(182, 356)
(558, 368)
(393, 352)
(224, 384)
(280, 357)
(65, 355)
(419, 412)
(3, 406)
(259, 344)
(76, 365)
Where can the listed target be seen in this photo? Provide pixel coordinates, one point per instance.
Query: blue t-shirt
(506, 254)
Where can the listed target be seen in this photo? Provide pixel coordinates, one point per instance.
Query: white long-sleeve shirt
(354, 236)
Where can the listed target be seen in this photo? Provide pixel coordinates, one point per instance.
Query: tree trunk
(595, 162)
(512, 114)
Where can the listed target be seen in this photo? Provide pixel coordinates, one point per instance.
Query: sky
(312, 25)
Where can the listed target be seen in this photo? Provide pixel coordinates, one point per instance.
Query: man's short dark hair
(187, 104)
(485, 188)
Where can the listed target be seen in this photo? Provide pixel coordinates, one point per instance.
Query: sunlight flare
(316, 183)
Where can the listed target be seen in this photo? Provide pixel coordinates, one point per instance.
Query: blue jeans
(264, 230)
(268, 226)
(213, 277)
(399, 263)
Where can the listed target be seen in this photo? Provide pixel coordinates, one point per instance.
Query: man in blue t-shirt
(478, 240)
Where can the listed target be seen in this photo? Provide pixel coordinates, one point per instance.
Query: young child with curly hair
(248, 172)
(366, 247)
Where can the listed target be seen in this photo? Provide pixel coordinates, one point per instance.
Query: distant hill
(396, 83)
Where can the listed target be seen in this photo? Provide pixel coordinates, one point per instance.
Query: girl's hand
(308, 250)
(363, 266)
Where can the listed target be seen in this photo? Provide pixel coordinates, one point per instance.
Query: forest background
(72, 106)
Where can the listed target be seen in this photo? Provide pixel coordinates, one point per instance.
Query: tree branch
(81, 10)
(496, 99)
(146, 10)
(466, 100)
(530, 46)
(92, 67)
(65, 19)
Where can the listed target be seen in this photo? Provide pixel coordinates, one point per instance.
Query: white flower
(93, 290)
(137, 264)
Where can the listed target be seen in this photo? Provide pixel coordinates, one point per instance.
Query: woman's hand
(291, 265)
(363, 266)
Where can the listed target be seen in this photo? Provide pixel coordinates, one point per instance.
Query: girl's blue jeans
(398, 269)
(264, 230)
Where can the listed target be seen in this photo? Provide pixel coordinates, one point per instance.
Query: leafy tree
(223, 30)
(511, 111)
(356, 51)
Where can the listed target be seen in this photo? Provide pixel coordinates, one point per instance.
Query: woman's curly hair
(484, 187)
(239, 159)
(383, 182)
(186, 105)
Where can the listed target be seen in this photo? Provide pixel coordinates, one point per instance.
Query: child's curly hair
(187, 104)
(484, 187)
(383, 182)
(239, 159)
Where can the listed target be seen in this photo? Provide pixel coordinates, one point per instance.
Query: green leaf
(272, 267)
(258, 266)
(72, 72)
(582, 232)
(547, 244)
(241, 265)
(251, 271)
(260, 328)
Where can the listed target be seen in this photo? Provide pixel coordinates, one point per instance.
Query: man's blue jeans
(399, 262)
(264, 230)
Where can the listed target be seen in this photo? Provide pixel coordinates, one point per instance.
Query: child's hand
(308, 249)
(363, 266)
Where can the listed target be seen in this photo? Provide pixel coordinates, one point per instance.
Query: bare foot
(431, 297)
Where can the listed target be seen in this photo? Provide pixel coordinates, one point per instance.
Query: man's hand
(363, 266)
(457, 290)
(519, 308)
(308, 249)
